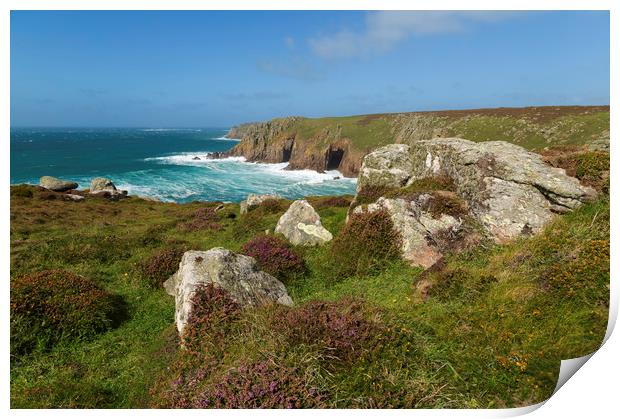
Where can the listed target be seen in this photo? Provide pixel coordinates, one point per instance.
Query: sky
(217, 69)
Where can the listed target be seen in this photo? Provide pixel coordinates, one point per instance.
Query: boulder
(510, 190)
(100, 184)
(73, 197)
(57, 185)
(254, 200)
(426, 231)
(235, 273)
(389, 166)
(301, 225)
(105, 188)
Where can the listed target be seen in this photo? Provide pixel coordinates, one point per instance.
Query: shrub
(50, 306)
(365, 244)
(274, 255)
(22, 191)
(262, 384)
(161, 265)
(271, 206)
(205, 218)
(590, 167)
(212, 310)
(585, 275)
(330, 201)
(371, 193)
(339, 330)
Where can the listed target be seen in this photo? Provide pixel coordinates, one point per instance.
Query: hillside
(485, 327)
(341, 142)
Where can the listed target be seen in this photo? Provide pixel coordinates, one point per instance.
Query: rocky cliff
(341, 143)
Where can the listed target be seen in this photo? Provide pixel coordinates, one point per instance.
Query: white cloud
(384, 29)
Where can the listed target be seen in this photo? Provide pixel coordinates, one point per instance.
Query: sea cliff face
(341, 143)
(282, 140)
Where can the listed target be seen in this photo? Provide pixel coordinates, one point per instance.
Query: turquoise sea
(159, 163)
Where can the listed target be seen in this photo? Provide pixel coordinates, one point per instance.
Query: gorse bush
(585, 275)
(274, 255)
(159, 267)
(50, 306)
(365, 244)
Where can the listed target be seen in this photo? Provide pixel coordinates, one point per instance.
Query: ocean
(160, 163)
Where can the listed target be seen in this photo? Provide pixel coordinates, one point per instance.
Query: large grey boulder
(254, 200)
(57, 185)
(389, 166)
(510, 190)
(301, 225)
(425, 231)
(235, 273)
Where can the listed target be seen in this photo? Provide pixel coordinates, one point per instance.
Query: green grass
(491, 332)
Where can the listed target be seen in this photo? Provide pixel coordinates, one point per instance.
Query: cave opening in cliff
(334, 157)
(287, 150)
(286, 154)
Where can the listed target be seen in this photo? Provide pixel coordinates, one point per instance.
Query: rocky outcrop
(277, 141)
(388, 166)
(105, 187)
(57, 185)
(430, 224)
(254, 200)
(235, 273)
(100, 184)
(301, 225)
(509, 190)
(341, 143)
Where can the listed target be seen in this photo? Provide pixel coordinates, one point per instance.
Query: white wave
(225, 138)
(188, 159)
(170, 129)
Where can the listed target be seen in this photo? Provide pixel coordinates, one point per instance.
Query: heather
(50, 306)
(274, 255)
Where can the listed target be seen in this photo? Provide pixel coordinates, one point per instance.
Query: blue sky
(209, 68)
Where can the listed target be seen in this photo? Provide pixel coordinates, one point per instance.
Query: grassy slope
(533, 128)
(494, 340)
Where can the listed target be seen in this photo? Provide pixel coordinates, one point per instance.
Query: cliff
(341, 142)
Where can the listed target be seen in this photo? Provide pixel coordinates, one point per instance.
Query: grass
(534, 128)
(489, 332)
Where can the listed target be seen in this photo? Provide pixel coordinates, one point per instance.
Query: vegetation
(535, 128)
(485, 328)
(274, 255)
(48, 307)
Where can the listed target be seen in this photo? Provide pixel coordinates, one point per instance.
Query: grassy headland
(341, 142)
